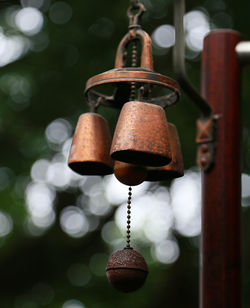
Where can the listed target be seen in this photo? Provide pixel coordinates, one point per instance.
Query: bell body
(127, 270)
(129, 174)
(141, 135)
(175, 168)
(89, 153)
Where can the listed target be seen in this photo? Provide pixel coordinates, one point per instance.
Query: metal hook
(134, 19)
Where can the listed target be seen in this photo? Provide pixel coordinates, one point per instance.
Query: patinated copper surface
(141, 135)
(138, 75)
(146, 53)
(130, 74)
(89, 153)
(129, 174)
(127, 270)
(175, 168)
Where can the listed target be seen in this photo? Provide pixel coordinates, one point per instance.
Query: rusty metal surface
(205, 139)
(129, 174)
(89, 153)
(127, 258)
(141, 135)
(205, 131)
(175, 168)
(126, 280)
(127, 270)
(221, 274)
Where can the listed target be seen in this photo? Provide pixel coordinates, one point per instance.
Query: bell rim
(150, 160)
(90, 168)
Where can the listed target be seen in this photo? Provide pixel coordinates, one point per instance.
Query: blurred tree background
(57, 229)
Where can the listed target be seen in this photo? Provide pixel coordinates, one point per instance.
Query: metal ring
(128, 75)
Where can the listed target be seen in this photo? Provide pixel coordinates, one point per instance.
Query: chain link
(135, 12)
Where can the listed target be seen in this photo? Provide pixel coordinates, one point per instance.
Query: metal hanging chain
(129, 216)
(134, 63)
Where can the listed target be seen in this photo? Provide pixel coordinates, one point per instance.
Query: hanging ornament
(142, 147)
(127, 270)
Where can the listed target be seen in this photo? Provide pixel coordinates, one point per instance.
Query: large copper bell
(175, 168)
(89, 153)
(141, 135)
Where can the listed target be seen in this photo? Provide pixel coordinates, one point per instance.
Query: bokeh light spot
(196, 24)
(164, 36)
(12, 48)
(58, 131)
(186, 203)
(74, 222)
(59, 175)
(245, 189)
(166, 251)
(60, 12)
(112, 235)
(39, 170)
(6, 224)
(73, 303)
(39, 203)
(152, 216)
(29, 20)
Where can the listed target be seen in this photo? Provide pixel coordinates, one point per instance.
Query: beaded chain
(129, 216)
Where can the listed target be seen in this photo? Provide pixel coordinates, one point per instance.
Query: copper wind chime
(144, 147)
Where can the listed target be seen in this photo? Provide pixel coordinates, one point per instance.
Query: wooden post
(220, 278)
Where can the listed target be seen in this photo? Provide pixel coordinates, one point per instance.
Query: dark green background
(58, 76)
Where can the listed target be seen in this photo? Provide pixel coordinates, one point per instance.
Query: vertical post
(221, 223)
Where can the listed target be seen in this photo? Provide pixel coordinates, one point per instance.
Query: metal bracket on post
(205, 140)
(205, 125)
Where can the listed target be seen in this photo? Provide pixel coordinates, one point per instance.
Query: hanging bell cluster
(144, 146)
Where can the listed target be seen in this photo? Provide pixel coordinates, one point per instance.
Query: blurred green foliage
(47, 83)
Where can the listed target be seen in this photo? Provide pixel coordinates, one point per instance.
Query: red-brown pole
(221, 209)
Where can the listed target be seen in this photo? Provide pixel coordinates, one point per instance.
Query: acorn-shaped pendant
(127, 270)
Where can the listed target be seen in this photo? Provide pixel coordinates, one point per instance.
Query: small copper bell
(89, 153)
(127, 270)
(129, 174)
(175, 168)
(141, 135)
